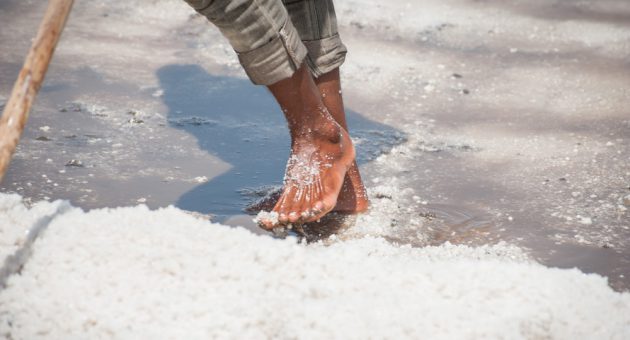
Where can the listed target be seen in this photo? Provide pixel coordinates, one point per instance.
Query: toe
(290, 210)
(266, 224)
(321, 208)
(283, 217)
(306, 214)
(282, 211)
(293, 217)
(303, 209)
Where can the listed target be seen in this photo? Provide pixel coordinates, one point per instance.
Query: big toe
(266, 224)
(320, 208)
(293, 217)
(266, 220)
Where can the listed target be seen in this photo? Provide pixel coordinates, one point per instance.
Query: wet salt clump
(585, 220)
(75, 163)
(270, 216)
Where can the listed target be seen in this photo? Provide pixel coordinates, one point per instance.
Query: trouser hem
(325, 55)
(276, 60)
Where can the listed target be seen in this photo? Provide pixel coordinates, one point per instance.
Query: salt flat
(493, 137)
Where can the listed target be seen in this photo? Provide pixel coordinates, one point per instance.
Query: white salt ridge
(131, 273)
(16, 220)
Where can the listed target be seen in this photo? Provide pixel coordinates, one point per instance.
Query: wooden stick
(30, 79)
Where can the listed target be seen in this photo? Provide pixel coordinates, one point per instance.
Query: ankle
(328, 129)
(320, 126)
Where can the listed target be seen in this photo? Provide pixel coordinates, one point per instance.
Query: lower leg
(353, 196)
(321, 152)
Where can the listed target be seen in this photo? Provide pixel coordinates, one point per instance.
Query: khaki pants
(272, 38)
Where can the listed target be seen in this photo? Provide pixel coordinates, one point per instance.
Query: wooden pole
(30, 79)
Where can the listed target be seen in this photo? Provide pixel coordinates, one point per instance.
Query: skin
(321, 173)
(353, 196)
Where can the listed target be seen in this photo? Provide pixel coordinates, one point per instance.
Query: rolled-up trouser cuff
(276, 60)
(325, 55)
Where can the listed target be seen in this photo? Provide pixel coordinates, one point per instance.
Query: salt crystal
(585, 220)
(200, 179)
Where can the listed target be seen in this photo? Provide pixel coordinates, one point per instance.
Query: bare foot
(321, 152)
(352, 197)
(315, 174)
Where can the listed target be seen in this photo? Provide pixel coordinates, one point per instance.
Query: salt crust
(132, 273)
(16, 219)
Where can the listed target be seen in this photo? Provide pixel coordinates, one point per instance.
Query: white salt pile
(131, 273)
(16, 220)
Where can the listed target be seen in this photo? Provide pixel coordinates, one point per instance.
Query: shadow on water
(241, 124)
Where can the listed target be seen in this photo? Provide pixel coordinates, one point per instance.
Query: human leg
(272, 54)
(316, 23)
(267, 44)
(321, 152)
(353, 196)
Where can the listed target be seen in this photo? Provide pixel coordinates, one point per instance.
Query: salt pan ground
(492, 135)
(131, 273)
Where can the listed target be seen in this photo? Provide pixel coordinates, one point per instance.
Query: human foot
(321, 153)
(320, 158)
(353, 196)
